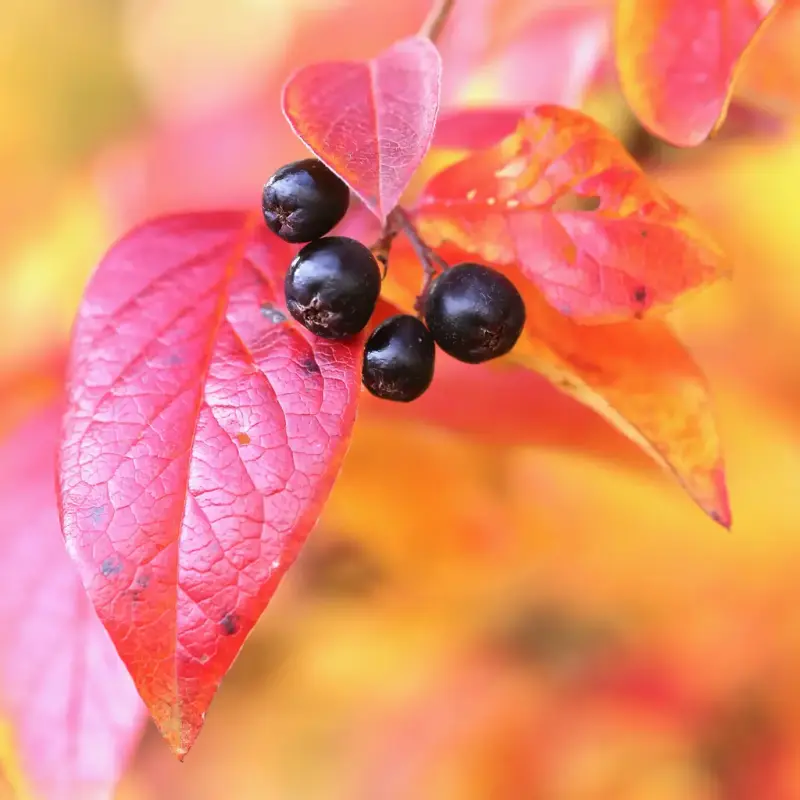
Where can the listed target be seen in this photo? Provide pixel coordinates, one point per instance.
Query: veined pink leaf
(372, 121)
(74, 710)
(204, 430)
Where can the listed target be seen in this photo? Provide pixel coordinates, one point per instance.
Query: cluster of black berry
(472, 312)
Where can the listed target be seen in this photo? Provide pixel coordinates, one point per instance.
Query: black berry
(332, 287)
(398, 359)
(474, 313)
(304, 201)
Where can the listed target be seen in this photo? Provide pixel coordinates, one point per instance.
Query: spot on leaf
(310, 366)
(111, 566)
(242, 438)
(230, 624)
(272, 314)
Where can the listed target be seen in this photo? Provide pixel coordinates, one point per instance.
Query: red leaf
(203, 434)
(74, 710)
(677, 60)
(564, 199)
(372, 121)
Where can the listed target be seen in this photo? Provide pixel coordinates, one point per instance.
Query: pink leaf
(476, 128)
(203, 434)
(555, 57)
(371, 122)
(74, 710)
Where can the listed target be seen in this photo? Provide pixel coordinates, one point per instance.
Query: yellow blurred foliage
(14, 786)
(43, 276)
(188, 57)
(64, 93)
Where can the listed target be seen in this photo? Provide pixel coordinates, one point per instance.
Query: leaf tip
(178, 732)
(722, 517)
(179, 745)
(719, 509)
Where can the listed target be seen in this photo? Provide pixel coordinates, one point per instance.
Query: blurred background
(500, 608)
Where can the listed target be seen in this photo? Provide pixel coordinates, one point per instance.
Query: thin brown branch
(430, 260)
(398, 222)
(434, 24)
(383, 246)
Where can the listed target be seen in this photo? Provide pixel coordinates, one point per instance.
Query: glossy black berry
(332, 287)
(474, 313)
(304, 200)
(398, 359)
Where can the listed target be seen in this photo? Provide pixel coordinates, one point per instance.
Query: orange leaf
(635, 374)
(677, 61)
(643, 381)
(563, 198)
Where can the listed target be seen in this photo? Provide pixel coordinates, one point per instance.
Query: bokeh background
(504, 599)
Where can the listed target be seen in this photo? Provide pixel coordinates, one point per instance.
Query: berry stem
(399, 220)
(434, 24)
(383, 246)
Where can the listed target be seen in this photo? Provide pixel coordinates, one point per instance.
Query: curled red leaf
(204, 430)
(74, 711)
(677, 60)
(562, 198)
(371, 122)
